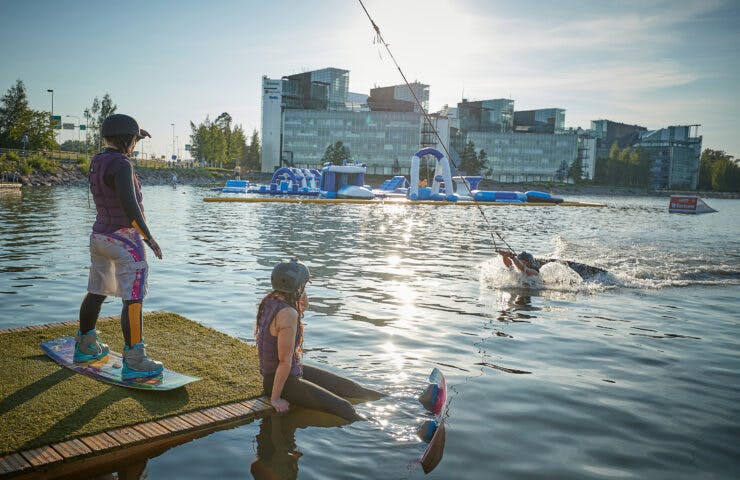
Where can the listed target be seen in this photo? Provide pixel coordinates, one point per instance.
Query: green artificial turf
(42, 402)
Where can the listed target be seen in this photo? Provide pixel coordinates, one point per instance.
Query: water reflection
(277, 451)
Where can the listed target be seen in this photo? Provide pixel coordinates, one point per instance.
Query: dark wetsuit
(307, 386)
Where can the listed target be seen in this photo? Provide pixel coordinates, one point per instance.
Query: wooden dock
(99, 453)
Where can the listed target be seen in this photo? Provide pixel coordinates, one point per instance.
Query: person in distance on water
(279, 336)
(524, 262)
(118, 259)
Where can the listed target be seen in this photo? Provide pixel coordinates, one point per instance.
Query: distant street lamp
(50, 90)
(173, 139)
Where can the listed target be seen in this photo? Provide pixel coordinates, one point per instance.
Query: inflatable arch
(442, 173)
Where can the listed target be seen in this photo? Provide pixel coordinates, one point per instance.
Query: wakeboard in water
(432, 431)
(585, 271)
(108, 369)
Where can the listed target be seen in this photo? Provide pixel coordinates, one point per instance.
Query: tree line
(718, 171)
(22, 127)
(627, 167)
(221, 142)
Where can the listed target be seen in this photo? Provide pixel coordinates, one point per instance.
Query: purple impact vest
(267, 343)
(110, 215)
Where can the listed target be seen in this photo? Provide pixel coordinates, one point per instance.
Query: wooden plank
(41, 456)
(238, 409)
(196, 419)
(13, 462)
(257, 405)
(126, 435)
(151, 430)
(217, 414)
(99, 442)
(175, 424)
(71, 448)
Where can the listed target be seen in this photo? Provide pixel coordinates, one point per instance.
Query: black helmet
(289, 276)
(527, 257)
(119, 124)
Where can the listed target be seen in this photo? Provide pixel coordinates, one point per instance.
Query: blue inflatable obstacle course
(233, 186)
(345, 181)
(447, 188)
(499, 196)
(291, 181)
(541, 197)
(397, 184)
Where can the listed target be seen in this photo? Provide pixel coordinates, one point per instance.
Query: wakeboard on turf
(108, 369)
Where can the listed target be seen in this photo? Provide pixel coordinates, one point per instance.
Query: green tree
(18, 120)
(470, 162)
(712, 162)
(251, 155)
(218, 141)
(575, 171)
(725, 174)
(337, 153)
(629, 167)
(482, 162)
(94, 116)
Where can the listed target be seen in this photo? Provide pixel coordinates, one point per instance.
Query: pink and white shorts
(118, 265)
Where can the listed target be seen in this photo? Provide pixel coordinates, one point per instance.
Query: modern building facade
(495, 115)
(607, 133)
(526, 157)
(398, 98)
(303, 114)
(384, 141)
(675, 153)
(324, 89)
(543, 120)
(587, 155)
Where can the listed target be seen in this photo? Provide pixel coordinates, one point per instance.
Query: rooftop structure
(398, 98)
(543, 120)
(674, 153)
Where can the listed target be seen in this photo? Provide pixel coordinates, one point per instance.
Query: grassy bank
(42, 402)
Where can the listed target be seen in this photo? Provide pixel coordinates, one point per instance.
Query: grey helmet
(289, 276)
(120, 124)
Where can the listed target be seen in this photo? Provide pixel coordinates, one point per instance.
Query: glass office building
(398, 98)
(316, 90)
(384, 141)
(543, 120)
(675, 154)
(486, 115)
(526, 157)
(303, 114)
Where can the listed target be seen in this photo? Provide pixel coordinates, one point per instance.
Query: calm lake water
(634, 375)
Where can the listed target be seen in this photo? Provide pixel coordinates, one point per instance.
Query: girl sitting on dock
(279, 338)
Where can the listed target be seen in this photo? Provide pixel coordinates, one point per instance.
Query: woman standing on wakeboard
(118, 259)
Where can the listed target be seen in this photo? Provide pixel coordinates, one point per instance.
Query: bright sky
(652, 63)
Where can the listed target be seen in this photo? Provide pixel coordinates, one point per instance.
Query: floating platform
(60, 423)
(392, 201)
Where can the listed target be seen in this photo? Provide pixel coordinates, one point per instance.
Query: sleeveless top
(110, 215)
(267, 343)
